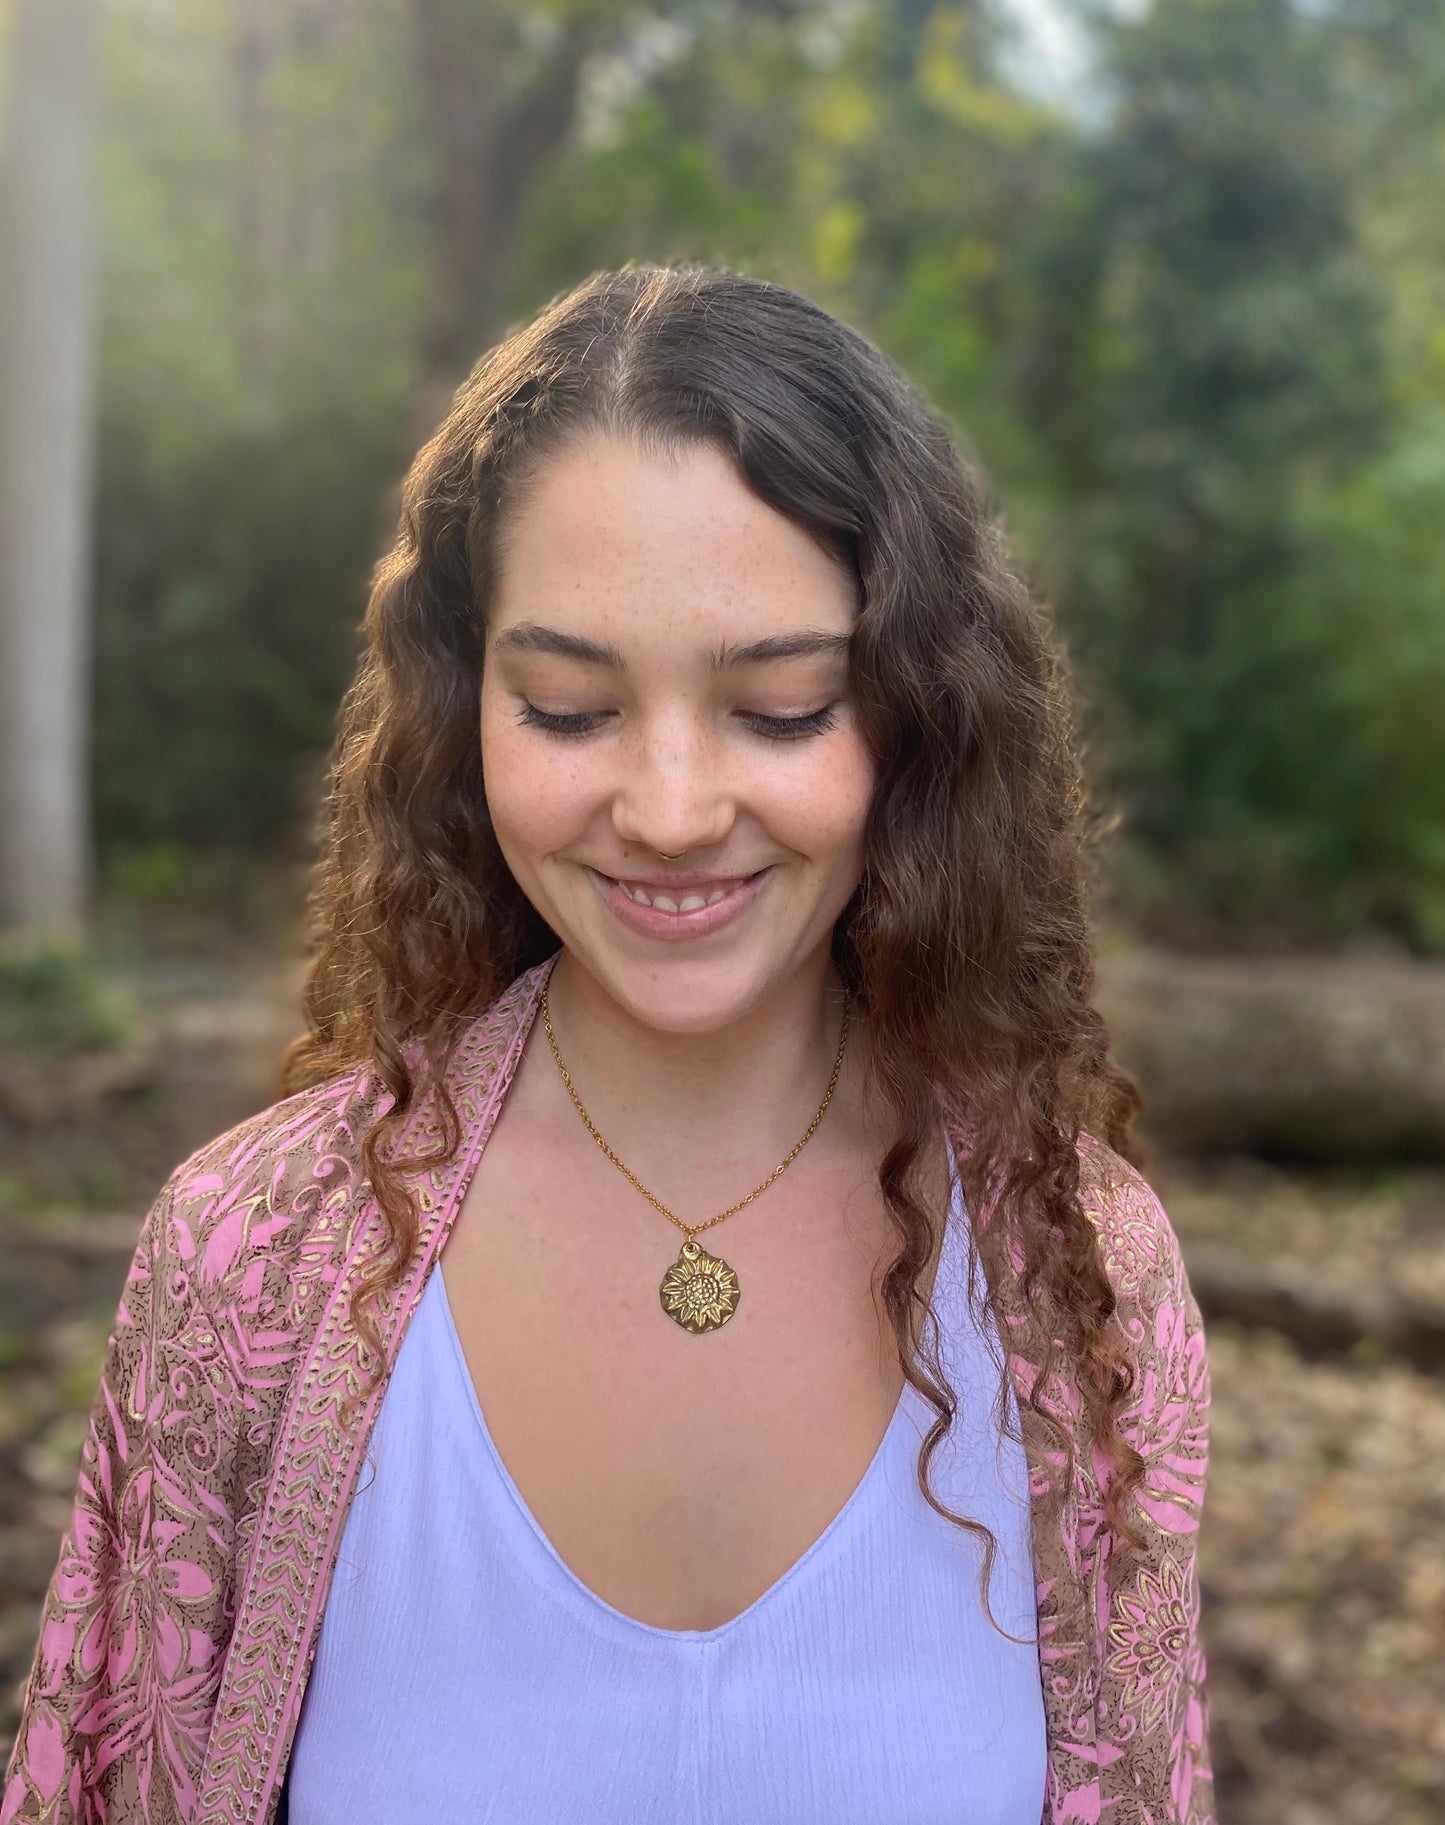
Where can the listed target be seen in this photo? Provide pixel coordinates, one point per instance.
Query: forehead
(658, 542)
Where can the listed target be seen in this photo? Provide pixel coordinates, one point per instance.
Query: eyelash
(771, 728)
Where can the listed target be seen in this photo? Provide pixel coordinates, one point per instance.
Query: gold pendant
(699, 1291)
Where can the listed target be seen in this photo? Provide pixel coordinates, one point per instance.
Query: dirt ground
(1322, 1555)
(1323, 1550)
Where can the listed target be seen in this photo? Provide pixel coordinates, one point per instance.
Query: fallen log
(1332, 1060)
(1320, 1323)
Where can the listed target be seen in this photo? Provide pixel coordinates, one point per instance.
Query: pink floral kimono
(180, 1625)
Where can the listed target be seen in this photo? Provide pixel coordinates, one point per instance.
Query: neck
(739, 1095)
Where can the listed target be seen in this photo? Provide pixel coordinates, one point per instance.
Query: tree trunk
(497, 111)
(47, 297)
(258, 50)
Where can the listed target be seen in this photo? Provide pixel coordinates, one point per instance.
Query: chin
(697, 996)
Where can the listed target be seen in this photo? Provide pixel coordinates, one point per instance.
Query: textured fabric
(221, 1460)
(866, 1683)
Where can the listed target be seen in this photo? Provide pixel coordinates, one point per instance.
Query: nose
(672, 793)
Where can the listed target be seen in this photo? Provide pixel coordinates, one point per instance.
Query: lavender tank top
(463, 1673)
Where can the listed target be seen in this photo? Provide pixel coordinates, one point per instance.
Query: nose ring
(672, 858)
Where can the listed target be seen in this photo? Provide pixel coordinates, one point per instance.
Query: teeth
(691, 902)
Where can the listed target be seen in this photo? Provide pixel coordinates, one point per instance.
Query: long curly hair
(967, 943)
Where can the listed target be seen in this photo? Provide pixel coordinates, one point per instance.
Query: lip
(656, 922)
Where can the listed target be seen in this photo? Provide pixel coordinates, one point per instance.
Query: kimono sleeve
(116, 1707)
(1153, 1713)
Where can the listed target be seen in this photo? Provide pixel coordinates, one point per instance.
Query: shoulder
(289, 1182)
(1140, 1248)
(324, 1114)
(282, 1182)
(233, 1271)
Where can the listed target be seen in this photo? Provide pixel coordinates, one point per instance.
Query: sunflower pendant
(699, 1291)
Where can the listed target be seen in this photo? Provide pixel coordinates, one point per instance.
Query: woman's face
(666, 670)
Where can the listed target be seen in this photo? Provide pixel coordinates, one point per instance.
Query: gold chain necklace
(699, 1291)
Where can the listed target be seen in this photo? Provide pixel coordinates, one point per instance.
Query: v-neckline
(582, 1592)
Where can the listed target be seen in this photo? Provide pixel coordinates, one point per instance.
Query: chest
(868, 1671)
(678, 1475)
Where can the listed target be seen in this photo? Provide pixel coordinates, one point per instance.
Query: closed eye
(565, 722)
(772, 728)
(790, 728)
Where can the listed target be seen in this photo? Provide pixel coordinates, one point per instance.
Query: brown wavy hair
(967, 942)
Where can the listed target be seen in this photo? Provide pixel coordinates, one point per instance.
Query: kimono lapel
(1069, 1637)
(317, 1465)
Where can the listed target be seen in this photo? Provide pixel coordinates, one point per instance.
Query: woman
(706, 847)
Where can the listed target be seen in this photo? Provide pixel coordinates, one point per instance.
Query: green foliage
(1192, 330)
(229, 590)
(1207, 371)
(55, 1002)
(258, 353)
(1352, 784)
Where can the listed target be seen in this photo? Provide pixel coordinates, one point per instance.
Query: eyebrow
(532, 637)
(806, 643)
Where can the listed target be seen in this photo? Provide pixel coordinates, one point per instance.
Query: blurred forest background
(1176, 272)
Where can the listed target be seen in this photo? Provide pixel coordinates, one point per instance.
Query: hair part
(968, 941)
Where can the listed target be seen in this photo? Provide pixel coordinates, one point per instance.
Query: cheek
(538, 796)
(821, 809)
